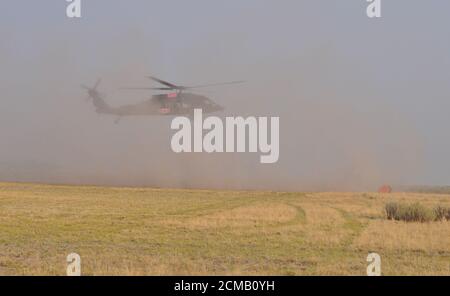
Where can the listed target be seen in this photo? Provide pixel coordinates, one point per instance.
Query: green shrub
(417, 212)
(441, 213)
(392, 210)
(409, 212)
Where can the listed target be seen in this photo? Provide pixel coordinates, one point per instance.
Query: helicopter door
(169, 103)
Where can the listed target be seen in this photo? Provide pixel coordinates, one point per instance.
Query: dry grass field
(141, 231)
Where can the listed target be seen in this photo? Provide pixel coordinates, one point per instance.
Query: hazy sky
(361, 101)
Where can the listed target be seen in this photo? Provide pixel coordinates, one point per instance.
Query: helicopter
(174, 103)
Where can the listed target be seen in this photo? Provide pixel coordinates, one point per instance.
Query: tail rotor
(92, 91)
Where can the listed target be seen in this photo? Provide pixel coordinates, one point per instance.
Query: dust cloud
(337, 130)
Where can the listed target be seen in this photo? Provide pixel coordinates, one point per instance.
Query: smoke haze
(361, 102)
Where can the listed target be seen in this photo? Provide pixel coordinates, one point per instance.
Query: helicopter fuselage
(162, 104)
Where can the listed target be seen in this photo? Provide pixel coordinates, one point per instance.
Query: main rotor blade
(173, 86)
(216, 84)
(85, 87)
(147, 88)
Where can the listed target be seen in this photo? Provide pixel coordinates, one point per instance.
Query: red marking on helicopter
(172, 95)
(164, 110)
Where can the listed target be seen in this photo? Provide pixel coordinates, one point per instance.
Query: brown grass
(141, 231)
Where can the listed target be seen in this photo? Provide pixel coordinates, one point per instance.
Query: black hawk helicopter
(176, 102)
